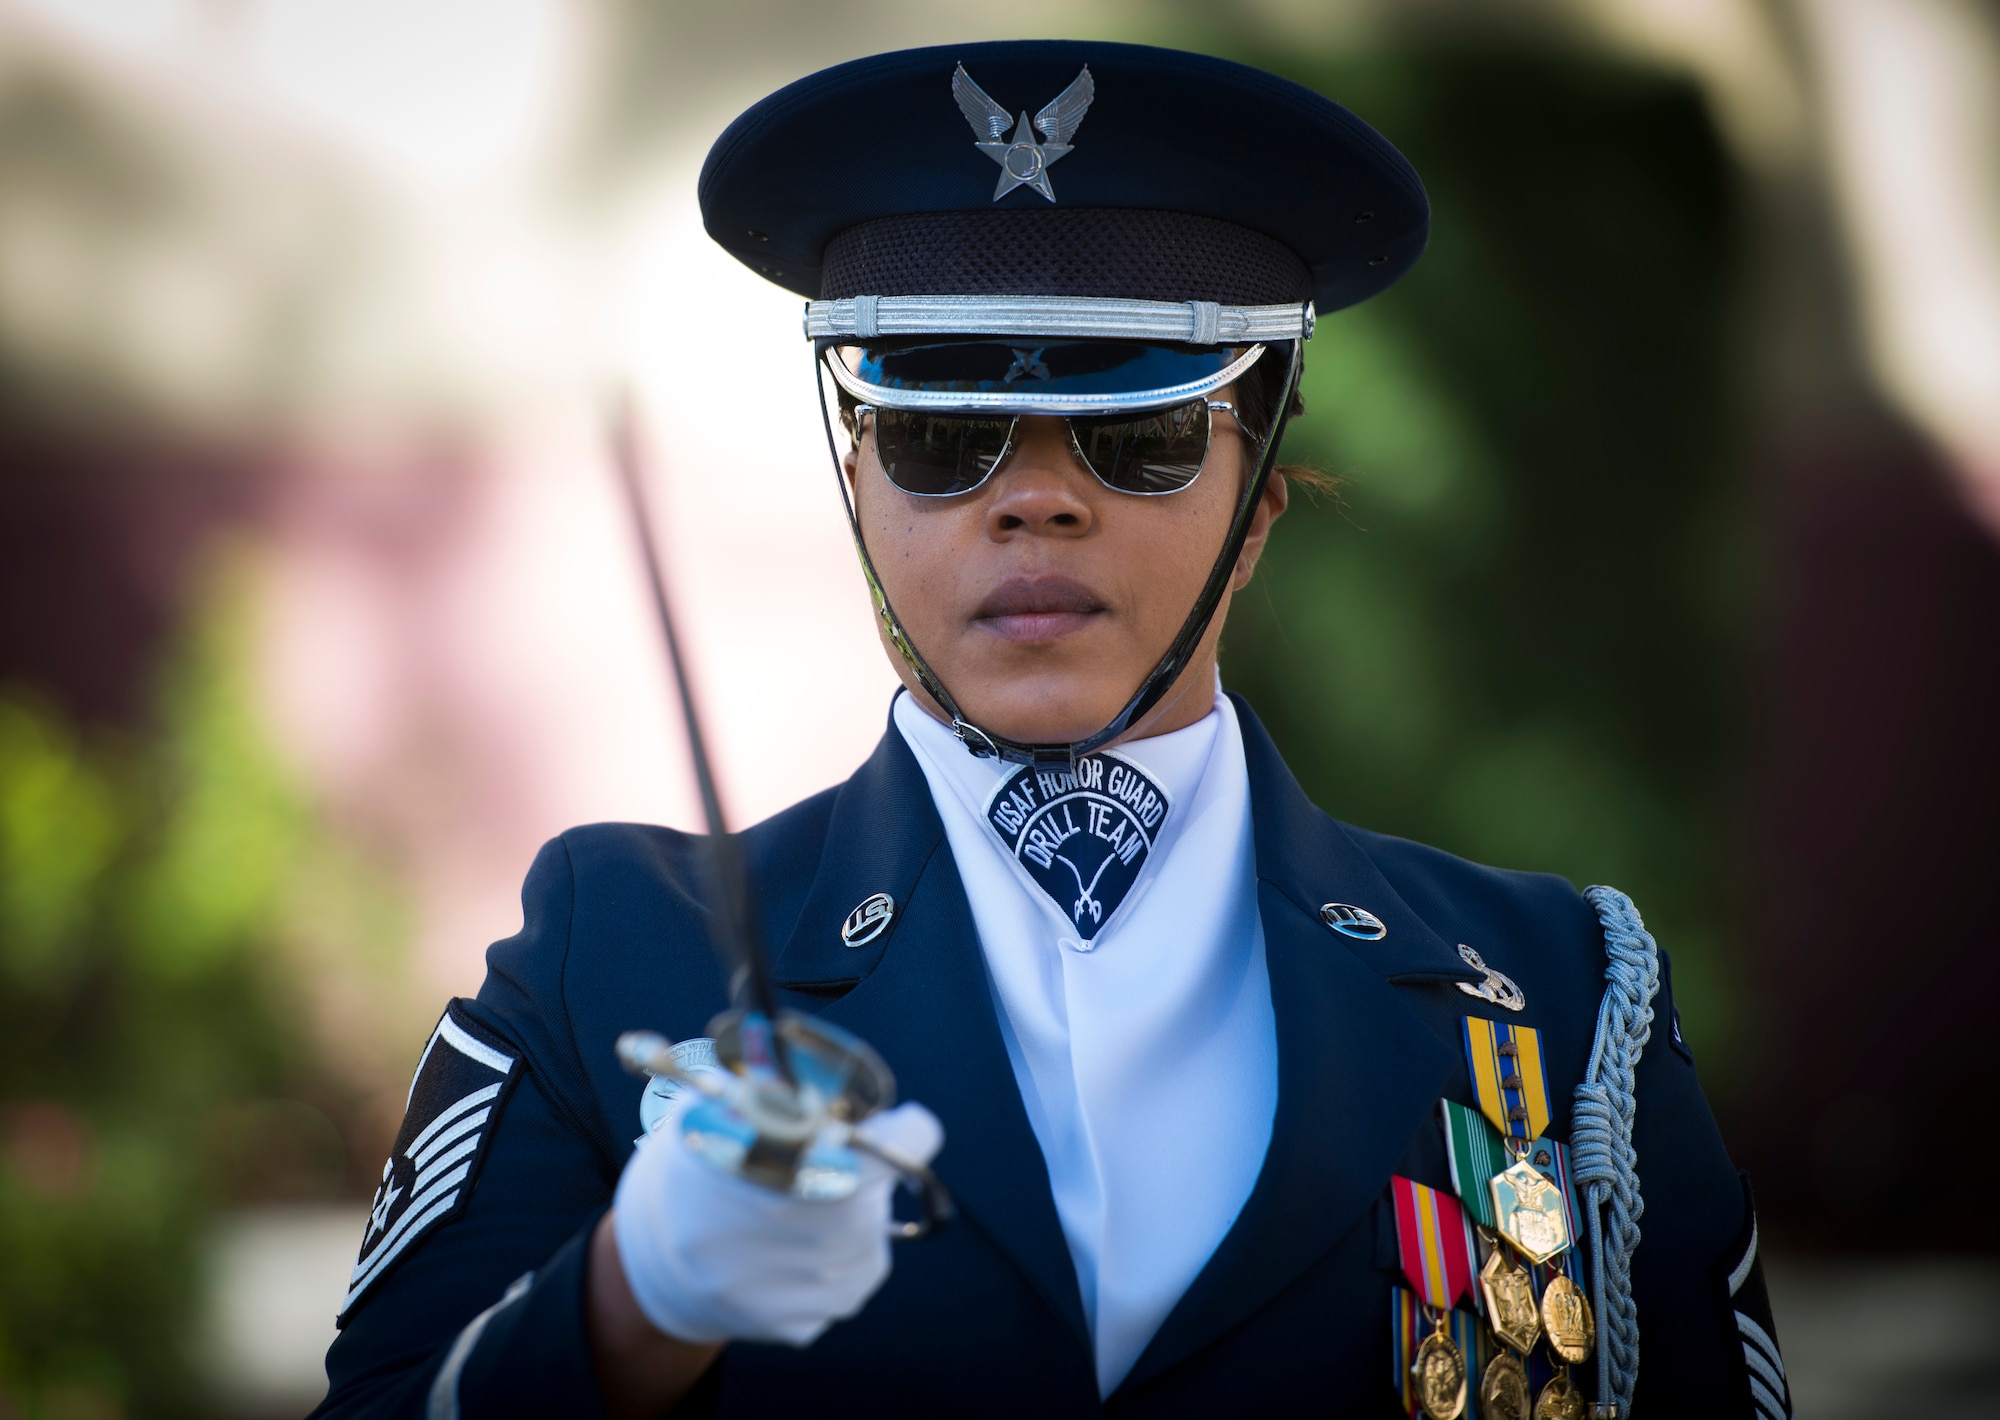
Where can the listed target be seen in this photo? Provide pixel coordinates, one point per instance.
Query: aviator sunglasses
(942, 455)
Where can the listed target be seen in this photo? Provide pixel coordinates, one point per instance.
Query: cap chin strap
(983, 744)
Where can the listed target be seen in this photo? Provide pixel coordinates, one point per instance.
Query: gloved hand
(710, 1257)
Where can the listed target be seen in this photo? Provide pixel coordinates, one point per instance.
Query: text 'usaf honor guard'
(1244, 1110)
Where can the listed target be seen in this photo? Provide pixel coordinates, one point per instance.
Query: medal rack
(1505, 1237)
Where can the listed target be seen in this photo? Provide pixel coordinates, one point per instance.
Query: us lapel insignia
(868, 921)
(1351, 921)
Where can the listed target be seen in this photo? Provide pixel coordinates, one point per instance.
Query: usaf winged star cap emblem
(1024, 162)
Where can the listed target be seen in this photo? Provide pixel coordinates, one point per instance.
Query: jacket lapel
(1358, 1067)
(923, 1001)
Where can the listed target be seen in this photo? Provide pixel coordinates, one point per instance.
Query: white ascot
(1148, 1060)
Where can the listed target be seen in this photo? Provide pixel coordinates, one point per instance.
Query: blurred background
(1668, 556)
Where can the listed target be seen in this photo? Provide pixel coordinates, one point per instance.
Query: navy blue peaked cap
(1187, 178)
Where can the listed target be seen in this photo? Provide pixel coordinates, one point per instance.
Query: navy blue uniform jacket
(1291, 1314)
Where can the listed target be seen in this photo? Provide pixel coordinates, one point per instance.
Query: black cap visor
(1018, 375)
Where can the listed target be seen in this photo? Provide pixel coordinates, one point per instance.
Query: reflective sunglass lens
(1155, 453)
(936, 455)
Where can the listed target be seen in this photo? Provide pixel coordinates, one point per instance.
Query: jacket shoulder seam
(569, 1086)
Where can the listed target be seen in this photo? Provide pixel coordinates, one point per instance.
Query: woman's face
(1043, 598)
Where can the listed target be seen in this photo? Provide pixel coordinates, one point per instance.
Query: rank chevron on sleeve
(460, 1086)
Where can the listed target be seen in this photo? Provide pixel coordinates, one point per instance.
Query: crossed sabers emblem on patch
(1095, 907)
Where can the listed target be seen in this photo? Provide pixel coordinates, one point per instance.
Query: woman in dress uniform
(1243, 1108)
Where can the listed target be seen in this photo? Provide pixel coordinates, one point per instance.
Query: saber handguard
(798, 1138)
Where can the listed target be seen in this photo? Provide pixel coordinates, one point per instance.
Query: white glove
(711, 1257)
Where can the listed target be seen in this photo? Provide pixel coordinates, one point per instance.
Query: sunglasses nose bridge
(1041, 441)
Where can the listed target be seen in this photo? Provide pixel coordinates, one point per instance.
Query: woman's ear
(1271, 505)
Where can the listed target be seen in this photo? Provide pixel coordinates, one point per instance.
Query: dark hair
(1258, 391)
(1256, 394)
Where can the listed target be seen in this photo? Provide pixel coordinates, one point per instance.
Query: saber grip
(932, 1196)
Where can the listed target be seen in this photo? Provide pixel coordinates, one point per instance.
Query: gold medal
(1559, 1400)
(1510, 1302)
(1503, 1390)
(1439, 1375)
(1566, 1317)
(1528, 1211)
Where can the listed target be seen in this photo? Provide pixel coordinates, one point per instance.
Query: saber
(783, 1110)
(741, 940)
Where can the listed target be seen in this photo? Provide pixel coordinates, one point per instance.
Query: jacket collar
(1358, 1067)
(920, 996)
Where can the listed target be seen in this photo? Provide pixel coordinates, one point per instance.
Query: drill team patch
(461, 1083)
(1083, 837)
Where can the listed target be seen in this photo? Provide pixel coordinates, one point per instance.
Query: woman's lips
(1036, 625)
(1026, 609)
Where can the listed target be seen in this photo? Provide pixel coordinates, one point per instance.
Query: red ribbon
(1435, 1240)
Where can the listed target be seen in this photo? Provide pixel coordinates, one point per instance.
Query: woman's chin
(1057, 715)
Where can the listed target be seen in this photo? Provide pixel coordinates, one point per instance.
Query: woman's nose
(1041, 488)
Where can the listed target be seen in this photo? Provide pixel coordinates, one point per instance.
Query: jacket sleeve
(1740, 1278)
(481, 1312)
(1696, 1237)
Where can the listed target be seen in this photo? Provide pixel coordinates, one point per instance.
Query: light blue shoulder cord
(1606, 1165)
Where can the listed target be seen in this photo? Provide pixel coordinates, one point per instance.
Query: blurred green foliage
(1515, 633)
(155, 1059)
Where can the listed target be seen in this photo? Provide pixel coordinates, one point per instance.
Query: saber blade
(740, 939)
